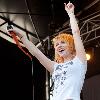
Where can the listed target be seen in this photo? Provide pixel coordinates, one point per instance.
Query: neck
(69, 57)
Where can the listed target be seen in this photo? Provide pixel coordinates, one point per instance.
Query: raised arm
(80, 51)
(47, 63)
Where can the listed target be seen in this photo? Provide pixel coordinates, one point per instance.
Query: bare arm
(46, 62)
(80, 51)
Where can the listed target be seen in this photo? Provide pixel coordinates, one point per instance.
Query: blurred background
(21, 78)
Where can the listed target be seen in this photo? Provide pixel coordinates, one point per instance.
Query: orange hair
(66, 38)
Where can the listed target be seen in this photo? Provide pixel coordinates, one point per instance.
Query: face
(62, 48)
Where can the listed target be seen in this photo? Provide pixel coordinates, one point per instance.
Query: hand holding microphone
(13, 31)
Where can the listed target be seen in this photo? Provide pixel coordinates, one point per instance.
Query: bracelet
(70, 13)
(21, 37)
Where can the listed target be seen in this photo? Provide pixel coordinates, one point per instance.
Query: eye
(57, 44)
(63, 42)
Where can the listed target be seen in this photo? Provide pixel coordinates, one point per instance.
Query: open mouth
(61, 50)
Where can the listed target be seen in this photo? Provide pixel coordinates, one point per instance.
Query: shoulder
(78, 62)
(77, 59)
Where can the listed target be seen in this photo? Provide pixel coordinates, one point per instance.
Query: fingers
(64, 3)
(69, 5)
(10, 30)
(69, 2)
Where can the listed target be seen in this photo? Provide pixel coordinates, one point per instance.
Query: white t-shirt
(68, 79)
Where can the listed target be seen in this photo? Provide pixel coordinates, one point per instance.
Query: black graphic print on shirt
(61, 74)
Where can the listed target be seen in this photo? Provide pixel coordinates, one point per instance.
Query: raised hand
(69, 8)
